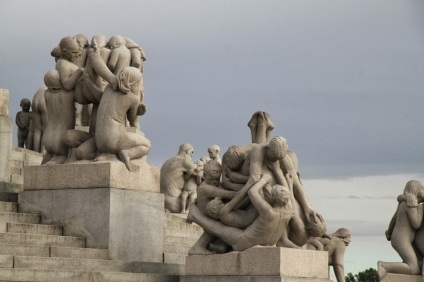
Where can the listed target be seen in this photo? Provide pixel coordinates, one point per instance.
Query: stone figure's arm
(68, 78)
(415, 215)
(256, 162)
(262, 206)
(392, 224)
(132, 113)
(276, 170)
(236, 177)
(213, 192)
(113, 60)
(189, 168)
(338, 261)
(18, 121)
(101, 68)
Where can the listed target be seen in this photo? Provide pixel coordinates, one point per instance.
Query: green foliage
(369, 275)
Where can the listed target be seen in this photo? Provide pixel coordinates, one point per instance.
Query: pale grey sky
(342, 80)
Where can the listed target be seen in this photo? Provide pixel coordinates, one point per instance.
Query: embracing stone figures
(254, 198)
(406, 232)
(105, 75)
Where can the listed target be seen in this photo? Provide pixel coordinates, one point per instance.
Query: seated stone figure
(268, 227)
(173, 175)
(403, 230)
(61, 112)
(115, 107)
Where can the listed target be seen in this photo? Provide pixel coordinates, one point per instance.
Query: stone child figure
(213, 152)
(173, 175)
(403, 230)
(190, 188)
(24, 121)
(61, 113)
(116, 106)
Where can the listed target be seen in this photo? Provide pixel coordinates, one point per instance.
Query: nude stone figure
(190, 187)
(61, 110)
(213, 152)
(402, 232)
(69, 72)
(266, 230)
(260, 127)
(173, 175)
(115, 108)
(24, 122)
(120, 56)
(39, 118)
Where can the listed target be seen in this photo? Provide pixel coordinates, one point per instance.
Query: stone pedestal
(259, 264)
(111, 207)
(391, 277)
(6, 136)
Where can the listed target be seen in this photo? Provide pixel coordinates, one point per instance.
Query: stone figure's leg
(184, 196)
(201, 246)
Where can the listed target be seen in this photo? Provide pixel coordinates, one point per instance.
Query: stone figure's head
(413, 192)
(212, 173)
(116, 41)
(82, 41)
(69, 48)
(25, 104)
(199, 166)
(277, 148)
(129, 80)
(213, 207)
(98, 41)
(277, 196)
(52, 80)
(316, 228)
(213, 151)
(186, 150)
(343, 234)
(205, 159)
(234, 157)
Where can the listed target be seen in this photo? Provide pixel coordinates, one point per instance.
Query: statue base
(259, 264)
(392, 277)
(111, 207)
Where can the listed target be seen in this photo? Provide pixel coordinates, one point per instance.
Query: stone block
(177, 240)
(4, 102)
(158, 268)
(91, 175)
(16, 179)
(6, 137)
(128, 223)
(41, 240)
(20, 274)
(17, 155)
(8, 207)
(19, 217)
(261, 261)
(249, 279)
(132, 277)
(6, 261)
(391, 277)
(183, 232)
(16, 170)
(176, 249)
(84, 253)
(174, 258)
(34, 228)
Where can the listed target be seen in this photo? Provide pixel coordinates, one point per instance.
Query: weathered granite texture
(261, 261)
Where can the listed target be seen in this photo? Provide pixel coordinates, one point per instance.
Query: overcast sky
(342, 81)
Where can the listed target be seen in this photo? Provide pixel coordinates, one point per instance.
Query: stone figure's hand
(142, 108)
(273, 166)
(312, 214)
(289, 179)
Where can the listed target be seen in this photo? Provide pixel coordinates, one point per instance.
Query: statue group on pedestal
(106, 77)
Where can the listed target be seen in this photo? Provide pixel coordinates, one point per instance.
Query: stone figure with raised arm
(266, 229)
(213, 152)
(39, 118)
(24, 121)
(116, 106)
(173, 175)
(61, 110)
(402, 231)
(190, 187)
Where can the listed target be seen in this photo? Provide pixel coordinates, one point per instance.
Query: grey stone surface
(261, 261)
(132, 277)
(4, 102)
(41, 240)
(6, 137)
(19, 217)
(18, 274)
(84, 253)
(128, 223)
(34, 228)
(91, 175)
(391, 277)
(249, 279)
(6, 261)
(158, 268)
(24, 250)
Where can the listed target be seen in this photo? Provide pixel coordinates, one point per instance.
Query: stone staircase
(30, 251)
(179, 237)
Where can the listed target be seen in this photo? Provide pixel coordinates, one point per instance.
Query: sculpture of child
(23, 121)
(190, 187)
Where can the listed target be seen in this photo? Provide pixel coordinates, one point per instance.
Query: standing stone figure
(190, 187)
(173, 175)
(24, 122)
(213, 152)
(39, 118)
(405, 232)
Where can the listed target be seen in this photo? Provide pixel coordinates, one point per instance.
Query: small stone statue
(24, 122)
(213, 152)
(190, 187)
(406, 232)
(173, 175)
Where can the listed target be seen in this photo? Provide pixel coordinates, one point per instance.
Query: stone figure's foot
(123, 156)
(381, 270)
(219, 247)
(199, 250)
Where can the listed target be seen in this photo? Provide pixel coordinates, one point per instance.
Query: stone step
(19, 274)
(72, 264)
(176, 249)
(176, 217)
(169, 231)
(16, 163)
(182, 225)
(8, 207)
(16, 170)
(174, 258)
(11, 188)
(6, 261)
(24, 250)
(84, 253)
(17, 155)
(41, 240)
(19, 217)
(16, 179)
(33, 228)
(176, 240)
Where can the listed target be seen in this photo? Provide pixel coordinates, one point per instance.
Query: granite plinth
(81, 175)
(129, 223)
(261, 261)
(249, 279)
(6, 132)
(391, 277)
(4, 102)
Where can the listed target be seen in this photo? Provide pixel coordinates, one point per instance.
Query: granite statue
(24, 122)
(260, 127)
(190, 187)
(406, 233)
(213, 152)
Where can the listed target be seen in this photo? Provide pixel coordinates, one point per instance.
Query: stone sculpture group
(105, 76)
